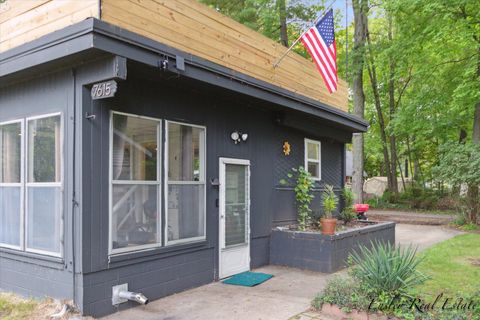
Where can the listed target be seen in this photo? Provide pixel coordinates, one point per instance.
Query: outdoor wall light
(238, 137)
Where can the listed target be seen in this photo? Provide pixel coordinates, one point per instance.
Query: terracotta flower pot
(328, 225)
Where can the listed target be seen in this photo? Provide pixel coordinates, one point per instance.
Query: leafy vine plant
(303, 195)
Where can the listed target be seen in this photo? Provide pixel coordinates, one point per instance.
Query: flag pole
(291, 47)
(298, 39)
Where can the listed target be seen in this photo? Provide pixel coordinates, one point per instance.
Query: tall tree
(391, 103)
(282, 9)
(360, 9)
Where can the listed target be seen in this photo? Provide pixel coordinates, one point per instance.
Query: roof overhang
(93, 37)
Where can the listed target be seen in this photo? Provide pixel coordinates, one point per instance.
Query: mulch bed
(341, 226)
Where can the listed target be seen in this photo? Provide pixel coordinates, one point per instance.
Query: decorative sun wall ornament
(286, 148)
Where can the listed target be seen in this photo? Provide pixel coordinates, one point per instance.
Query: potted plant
(330, 202)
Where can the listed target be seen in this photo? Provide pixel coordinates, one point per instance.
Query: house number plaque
(104, 89)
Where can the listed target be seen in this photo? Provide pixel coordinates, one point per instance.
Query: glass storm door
(234, 217)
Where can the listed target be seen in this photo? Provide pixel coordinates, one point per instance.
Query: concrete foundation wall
(155, 279)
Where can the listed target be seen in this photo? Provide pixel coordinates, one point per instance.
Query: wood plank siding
(195, 28)
(184, 24)
(22, 21)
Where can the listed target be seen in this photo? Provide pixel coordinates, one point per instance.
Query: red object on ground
(361, 207)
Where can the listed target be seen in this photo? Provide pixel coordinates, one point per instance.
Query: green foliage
(417, 198)
(384, 272)
(435, 46)
(329, 201)
(458, 163)
(348, 213)
(343, 291)
(470, 227)
(303, 195)
(347, 195)
(461, 219)
(384, 269)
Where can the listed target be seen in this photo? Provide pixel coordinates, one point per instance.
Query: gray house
(143, 147)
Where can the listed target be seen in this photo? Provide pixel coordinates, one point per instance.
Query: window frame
(202, 181)
(60, 184)
(21, 184)
(157, 182)
(24, 185)
(317, 161)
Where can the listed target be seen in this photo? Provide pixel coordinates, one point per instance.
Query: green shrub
(461, 218)
(348, 213)
(470, 227)
(386, 269)
(344, 292)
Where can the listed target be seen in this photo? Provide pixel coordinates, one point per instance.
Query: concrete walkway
(422, 236)
(287, 294)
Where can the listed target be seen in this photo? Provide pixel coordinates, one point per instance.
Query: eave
(92, 37)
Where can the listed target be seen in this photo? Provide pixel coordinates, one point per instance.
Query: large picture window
(313, 158)
(31, 209)
(185, 194)
(135, 157)
(136, 183)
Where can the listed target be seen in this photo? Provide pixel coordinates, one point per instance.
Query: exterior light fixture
(238, 137)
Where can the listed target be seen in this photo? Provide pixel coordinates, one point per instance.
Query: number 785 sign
(104, 89)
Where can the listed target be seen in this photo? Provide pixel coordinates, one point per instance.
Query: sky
(336, 5)
(340, 5)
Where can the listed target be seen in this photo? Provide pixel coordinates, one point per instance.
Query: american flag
(320, 43)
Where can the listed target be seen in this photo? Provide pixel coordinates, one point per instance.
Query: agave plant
(385, 268)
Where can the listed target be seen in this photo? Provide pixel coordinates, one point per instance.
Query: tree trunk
(372, 73)
(360, 9)
(476, 124)
(282, 8)
(391, 102)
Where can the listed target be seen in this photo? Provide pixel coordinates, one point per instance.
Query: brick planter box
(317, 252)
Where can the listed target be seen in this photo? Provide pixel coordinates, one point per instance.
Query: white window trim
(203, 164)
(319, 161)
(20, 184)
(158, 183)
(44, 184)
(24, 184)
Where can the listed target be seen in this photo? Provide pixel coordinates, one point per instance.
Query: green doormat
(248, 279)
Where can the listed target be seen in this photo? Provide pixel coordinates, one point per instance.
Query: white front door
(234, 203)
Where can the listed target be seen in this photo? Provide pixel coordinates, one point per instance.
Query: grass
(12, 307)
(453, 265)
